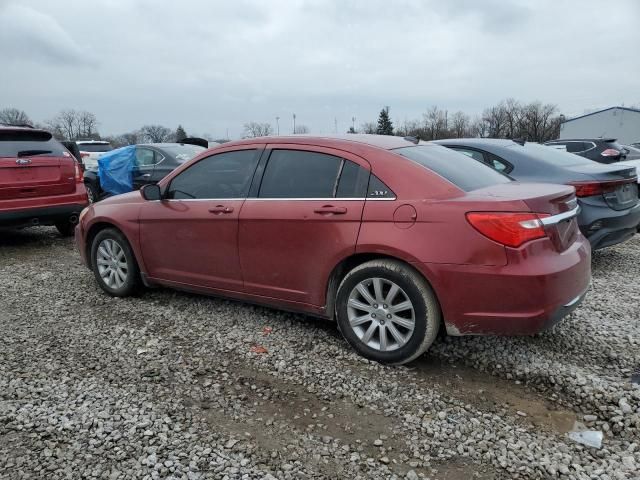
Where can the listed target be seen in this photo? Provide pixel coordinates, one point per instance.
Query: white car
(91, 151)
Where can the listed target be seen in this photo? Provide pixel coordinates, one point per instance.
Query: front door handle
(218, 209)
(146, 175)
(330, 209)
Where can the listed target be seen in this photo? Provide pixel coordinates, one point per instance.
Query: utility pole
(227, 134)
(294, 123)
(335, 122)
(353, 123)
(278, 125)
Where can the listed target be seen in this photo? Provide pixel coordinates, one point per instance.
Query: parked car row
(607, 194)
(393, 238)
(152, 162)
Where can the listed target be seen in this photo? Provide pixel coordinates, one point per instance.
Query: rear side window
(575, 147)
(225, 175)
(35, 142)
(95, 147)
(551, 155)
(300, 174)
(353, 181)
(461, 170)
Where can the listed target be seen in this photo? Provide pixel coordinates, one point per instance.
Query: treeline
(534, 122)
(82, 125)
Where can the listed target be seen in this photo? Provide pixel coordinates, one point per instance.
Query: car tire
(113, 263)
(399, 318)
(66, 228)
(92, 192)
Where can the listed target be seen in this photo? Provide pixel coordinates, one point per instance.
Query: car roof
(582, 140)
(385, 142)
(478, 142)
(5, 126)
(168, 144)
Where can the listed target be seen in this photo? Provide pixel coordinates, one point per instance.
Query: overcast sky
(213, 65)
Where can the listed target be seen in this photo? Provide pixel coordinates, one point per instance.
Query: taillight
(79, 175)
(610, 152)
(508, 228)
(589, 189)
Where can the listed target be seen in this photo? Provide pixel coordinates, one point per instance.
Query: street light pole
(294, 123)
(353, 124)
(278, 125)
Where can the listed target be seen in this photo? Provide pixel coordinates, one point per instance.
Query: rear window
(95, 147)
(39, 142)
(183, 153)
(461, 170)
(552, 155)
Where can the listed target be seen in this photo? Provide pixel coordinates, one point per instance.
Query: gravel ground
(172, 385)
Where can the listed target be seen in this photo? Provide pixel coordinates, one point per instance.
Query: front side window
(225, 175)
(300, 174)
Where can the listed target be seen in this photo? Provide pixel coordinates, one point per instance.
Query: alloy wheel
(112, 263)
(381, 314)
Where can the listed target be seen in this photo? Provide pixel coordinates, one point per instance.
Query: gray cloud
(29, 35)
(215, 65)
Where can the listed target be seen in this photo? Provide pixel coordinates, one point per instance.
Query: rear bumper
(40, 216)
(605, 227)
(535, 290)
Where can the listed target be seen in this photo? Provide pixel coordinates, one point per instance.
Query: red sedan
(393, 239)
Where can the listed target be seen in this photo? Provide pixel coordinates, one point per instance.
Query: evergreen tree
(180, 134)
(385, 127)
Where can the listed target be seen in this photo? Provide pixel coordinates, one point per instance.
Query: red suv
(40, 181)
(391, 238)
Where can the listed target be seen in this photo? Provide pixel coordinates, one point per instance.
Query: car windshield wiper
(31, 153)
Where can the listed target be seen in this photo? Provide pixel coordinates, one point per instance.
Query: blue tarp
(115, 170)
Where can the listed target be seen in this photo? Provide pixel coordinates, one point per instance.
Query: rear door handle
(330, 209)
(218, 209)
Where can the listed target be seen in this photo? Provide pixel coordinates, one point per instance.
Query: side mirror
(151, 192)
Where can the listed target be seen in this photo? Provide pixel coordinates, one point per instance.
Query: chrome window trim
(327, 199)
(560, 217)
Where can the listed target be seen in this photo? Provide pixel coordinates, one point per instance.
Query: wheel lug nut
(384, 306)
(389, 316)
(373, 315)
(375, 305)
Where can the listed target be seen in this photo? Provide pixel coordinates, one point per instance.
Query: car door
(300, 221)
(145, 164)
(190, 237)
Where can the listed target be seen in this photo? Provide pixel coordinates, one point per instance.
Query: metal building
(621, 123)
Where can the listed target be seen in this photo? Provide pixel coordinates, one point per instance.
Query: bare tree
(255, 129)
(13, 116)
(87, 125)
(74, 125)
(540, 121)
(156, 133)
(460, 124)
(479, 127)
(436, 123)
(301, 129)
(369, 127)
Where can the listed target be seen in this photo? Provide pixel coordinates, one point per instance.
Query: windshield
(14, 141)
(95, 147)
(183, 153)
(463, 171)
(552, 154)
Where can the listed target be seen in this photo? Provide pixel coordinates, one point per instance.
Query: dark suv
(603, 150)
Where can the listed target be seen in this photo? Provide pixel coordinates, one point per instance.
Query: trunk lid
(548, 200)
(33, 164)
(618, 183)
